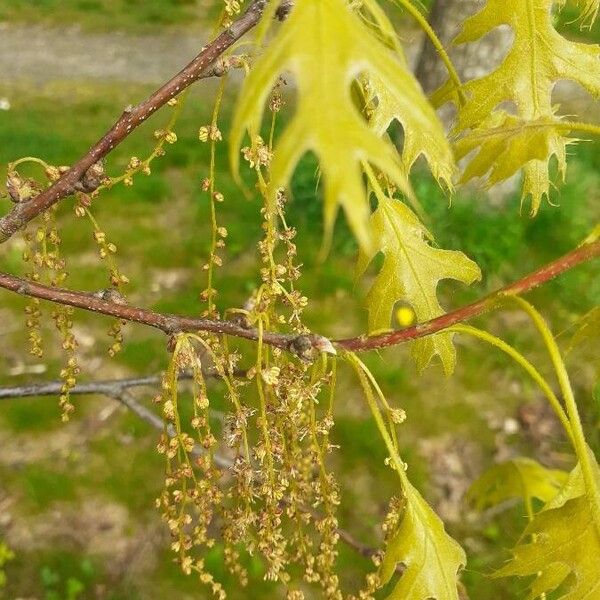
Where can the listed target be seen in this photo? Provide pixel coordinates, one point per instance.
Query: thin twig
(106, 387)
(350, 540)
(582, 254)
(138, 409)
(297, 344)
(127, 400)
(119, 390)
(132, 117)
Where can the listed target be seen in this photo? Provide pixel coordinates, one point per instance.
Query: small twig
(582, 254)
(132, 117)
(127, 400)
(106, 387)
(138, 409)
(362, 549)
(118, 389)
(299, 344)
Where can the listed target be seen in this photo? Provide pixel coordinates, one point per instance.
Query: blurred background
(77, 500)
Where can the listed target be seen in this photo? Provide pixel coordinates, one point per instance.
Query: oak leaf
(430, 556)
(519, 477)
(562, 547)
(411, 271)
(538, 58)
(327, 46)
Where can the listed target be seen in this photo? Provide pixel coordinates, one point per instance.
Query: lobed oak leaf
(567, 541)
(423, 132)
(506, 143)
(563, 550)
(538, 58)
(432, 559)
(411, 271)
(516, 478)
(326, 46)
(587, 330)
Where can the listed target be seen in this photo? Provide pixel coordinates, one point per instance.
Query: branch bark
(565, 263)
(107, 387)
(167, 323)
(198, 68)
(298, 344)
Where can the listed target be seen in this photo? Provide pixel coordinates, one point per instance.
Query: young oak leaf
(423, 132)
(516, 478)
(573, 487)
(431, 557)
(411, 271)
(587, 330)
(565, 542)
(376, 19)
(505, 143)
(538, 58)
(326, 46)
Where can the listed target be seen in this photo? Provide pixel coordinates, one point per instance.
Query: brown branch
(566, 262)
(131, 118)
(167, 323)
(297, 344)
(362, 549)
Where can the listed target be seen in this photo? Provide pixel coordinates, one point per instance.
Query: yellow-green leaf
(566, 538)
(411, 271)
(587, 330)
(572, 488)
(326, 46)
(432, 559)
(538, 58)
(563, 543)
(505, 143)
(423, 132)
(516, 478)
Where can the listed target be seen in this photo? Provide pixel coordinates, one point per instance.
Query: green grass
(111, 15)
(30, 414)
(126, 468)
(42, 484)
(57, 575)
